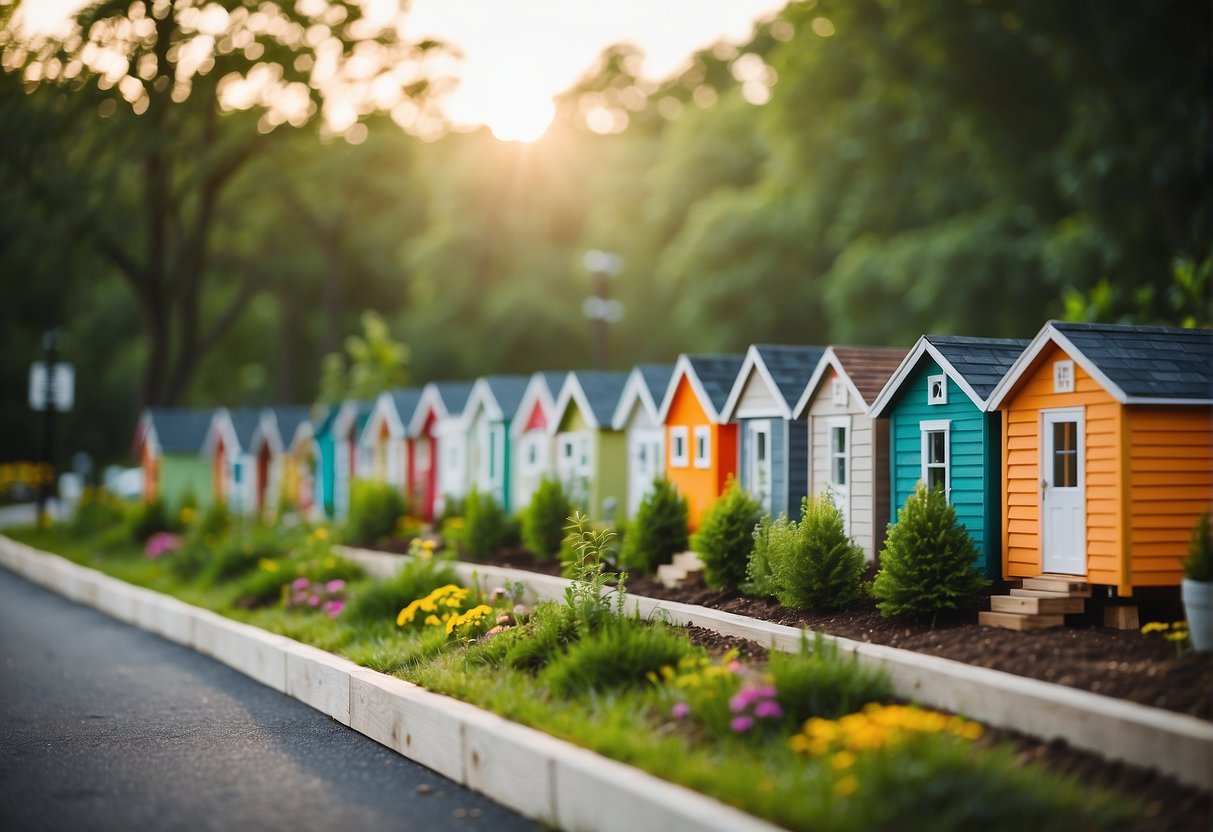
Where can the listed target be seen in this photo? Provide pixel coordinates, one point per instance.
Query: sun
(520, 119)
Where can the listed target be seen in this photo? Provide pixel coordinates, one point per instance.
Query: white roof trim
(266, 431)
(635, 390)
(305, 431)
(685, 368)
(908, 365)
(221, 428)
(753, 361)
(482, 397)
(571, 391)
(430, 399)
(146, 433)
(383, 411)
(828, 359)
(1049, 334)
(536, 392)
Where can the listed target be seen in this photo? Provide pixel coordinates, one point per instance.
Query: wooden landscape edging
(1175, 744)
(531, 772)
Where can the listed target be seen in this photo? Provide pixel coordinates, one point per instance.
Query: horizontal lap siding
(698, 485)
(1171, 482)
(860, 485)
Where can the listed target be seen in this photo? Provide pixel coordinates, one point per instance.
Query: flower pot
(1198, 608)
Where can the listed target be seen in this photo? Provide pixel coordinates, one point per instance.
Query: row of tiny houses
(1085, 452)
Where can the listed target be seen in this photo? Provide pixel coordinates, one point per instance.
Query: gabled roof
(645, 386)
(975, 364)
(712, 378)
(236, 428)
(245, 421)
(596, 393)
(446, 398)
(1135, 364)
(277, 423)
(175, 429)
(865, 370)
(396, 408)
(784, 369)
(542, 389)
(498, 395)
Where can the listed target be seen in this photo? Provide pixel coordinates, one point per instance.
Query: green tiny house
(591, 457)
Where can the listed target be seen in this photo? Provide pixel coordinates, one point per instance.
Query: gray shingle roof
(717, 373)
(245, 421)
(507, 390)
(656, 378)
(454, 395)
(553, 381)
(1148, 361)
(982, 362)
(405, 400)
(790, 367)
(181, 429)
(289, 418)
(602, 391)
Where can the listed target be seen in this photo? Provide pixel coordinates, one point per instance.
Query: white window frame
(703, 433)
(942, 380)
(838, 391)
(926, 428)
(680, 441)
(422, 458)
(1063, 376)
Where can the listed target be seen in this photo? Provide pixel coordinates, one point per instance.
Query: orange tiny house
(700, 446)
(1107, 452)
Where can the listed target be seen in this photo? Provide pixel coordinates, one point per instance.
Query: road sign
(63, 377)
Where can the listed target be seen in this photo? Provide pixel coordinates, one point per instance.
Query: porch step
(689, 561)
(1041, 593)
(1029, 605)
(1056, 583)
(678, 572)
(1017, 621)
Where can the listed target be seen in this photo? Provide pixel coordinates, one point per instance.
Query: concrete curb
(1174, 744)
(526, 770)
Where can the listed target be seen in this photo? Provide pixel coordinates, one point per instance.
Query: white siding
(860, 475)
(757, 399)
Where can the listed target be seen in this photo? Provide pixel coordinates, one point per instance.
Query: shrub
(531, 648)
(97, 511)
(659, 530)
(375, 508)
(486, 527)
(759, 580)
(1199, 564)
(237, 555)
(927, 563)
(149, 519)
(201, 539)
(544, 518)
(726, 537)
(819, 682)
(620, 655)
(382, 600)
(814, 565)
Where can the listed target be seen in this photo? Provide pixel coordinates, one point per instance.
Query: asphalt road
(104, 726)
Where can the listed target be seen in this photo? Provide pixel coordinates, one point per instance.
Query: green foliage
(759, 577)
(487, 529)
(814, 564)
(726, 536)
(97, 511)
(659, 530)
(371, 364)
(1199, 564)
(544, 517)
(530, 648)
(619, 655)
(266, 583)
(382, 600)
(927, 563)
(375, 509)
(147, 519)
(817, 681)
(240, 553)
(587, 594)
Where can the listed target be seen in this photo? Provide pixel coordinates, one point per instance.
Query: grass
(937, 782)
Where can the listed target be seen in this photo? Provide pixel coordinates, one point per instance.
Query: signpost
(51, 389)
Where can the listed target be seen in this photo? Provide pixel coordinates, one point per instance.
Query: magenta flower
(681, 710)
(301, 583)
(314, 601)
(741, 724)
(161, 544)
(768, 709)
(335, 585)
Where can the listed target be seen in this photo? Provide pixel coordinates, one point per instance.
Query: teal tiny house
(942, 433)
(488, 413)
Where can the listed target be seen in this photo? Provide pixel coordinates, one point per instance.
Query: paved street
(103, 726)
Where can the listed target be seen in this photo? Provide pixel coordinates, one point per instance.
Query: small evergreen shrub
(726, 537)
(486, 527)
(550, 631)
(814, 565)
(819, 682)
(544, 518)
(375, 509)
(760, 581)
(1199, 564)
(659, 530)
(620, 655)
(97, 511)
(927, 563)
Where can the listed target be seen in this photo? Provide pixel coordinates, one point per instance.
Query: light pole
(599, 307)
(50, 344)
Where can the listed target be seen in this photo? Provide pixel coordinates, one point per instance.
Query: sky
(517, 54)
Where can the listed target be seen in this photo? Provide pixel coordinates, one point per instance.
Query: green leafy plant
(819, 682)
(586, 596)
(759, 581)
(550, 630)
(544, 518)
(814, 564)
(375, 510)
(96, 511)
(726, 536)
(1198, 566)
(238, 554)
(927, 563)
(659, 530)
(148, 519)
(619, 655)
(487, 529)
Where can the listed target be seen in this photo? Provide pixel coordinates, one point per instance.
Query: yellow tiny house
(1107, 452)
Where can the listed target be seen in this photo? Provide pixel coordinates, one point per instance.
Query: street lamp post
(599, 307)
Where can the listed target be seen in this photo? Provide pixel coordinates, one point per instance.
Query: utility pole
(598, 307)
(50, 344)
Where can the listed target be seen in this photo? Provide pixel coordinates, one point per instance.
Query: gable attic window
(838, 391)
(1063, 376)
(937, 389)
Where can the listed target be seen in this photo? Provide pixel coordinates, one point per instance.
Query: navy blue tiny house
(773, 447)
(941, 431)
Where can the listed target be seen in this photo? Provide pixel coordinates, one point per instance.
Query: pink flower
(681, 710)
(741, 724)
(335, 585)
(768, 709)
(334, 608)
(301, 583)
(161, 543)
(314, 601)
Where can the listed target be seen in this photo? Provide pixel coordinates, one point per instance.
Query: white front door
(1063, 512)
(645, 464)
(758, 462)
(838, 478)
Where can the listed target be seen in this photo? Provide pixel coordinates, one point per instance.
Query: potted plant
(1197, 590)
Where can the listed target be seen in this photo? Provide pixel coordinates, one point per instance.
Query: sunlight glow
(519, 120)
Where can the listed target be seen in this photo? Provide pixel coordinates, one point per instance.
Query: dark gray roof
(553, 381)
(1148, 361)
(790, 367)
(602, 391)
(181, 429)
(289, 418)
(454, 395)
(717, 373)
(507, 390)
(982, 362)
(245, 421)
(405, 400)
(656, 378)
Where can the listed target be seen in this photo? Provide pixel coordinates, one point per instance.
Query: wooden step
(1015, 621)
(1028, 605)
(689, 561)
(1040, 593)
(1075, 588)
(671, 575)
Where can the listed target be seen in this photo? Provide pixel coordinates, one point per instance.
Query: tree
(372, 363)
(188, 93)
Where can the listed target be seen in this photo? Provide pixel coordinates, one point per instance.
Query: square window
(1063, 376)
(703, 446)
(937, 389)
(838, 391)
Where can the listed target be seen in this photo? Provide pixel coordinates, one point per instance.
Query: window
(838, 455)
(838, 391)
(1065, 454)
(492, 454)
(678, 447)
(937, 389)
(421, 455)
(936, 455)
(703, 446)
(1063, 376)
(532, 453)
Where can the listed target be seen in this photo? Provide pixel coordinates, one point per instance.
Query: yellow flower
(187, 515)
(842, 759)
(268, 564)
(321, 533)
(428, 545)
(432, 621)
(1155, 627)
(847, 786)
(1177, 635)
